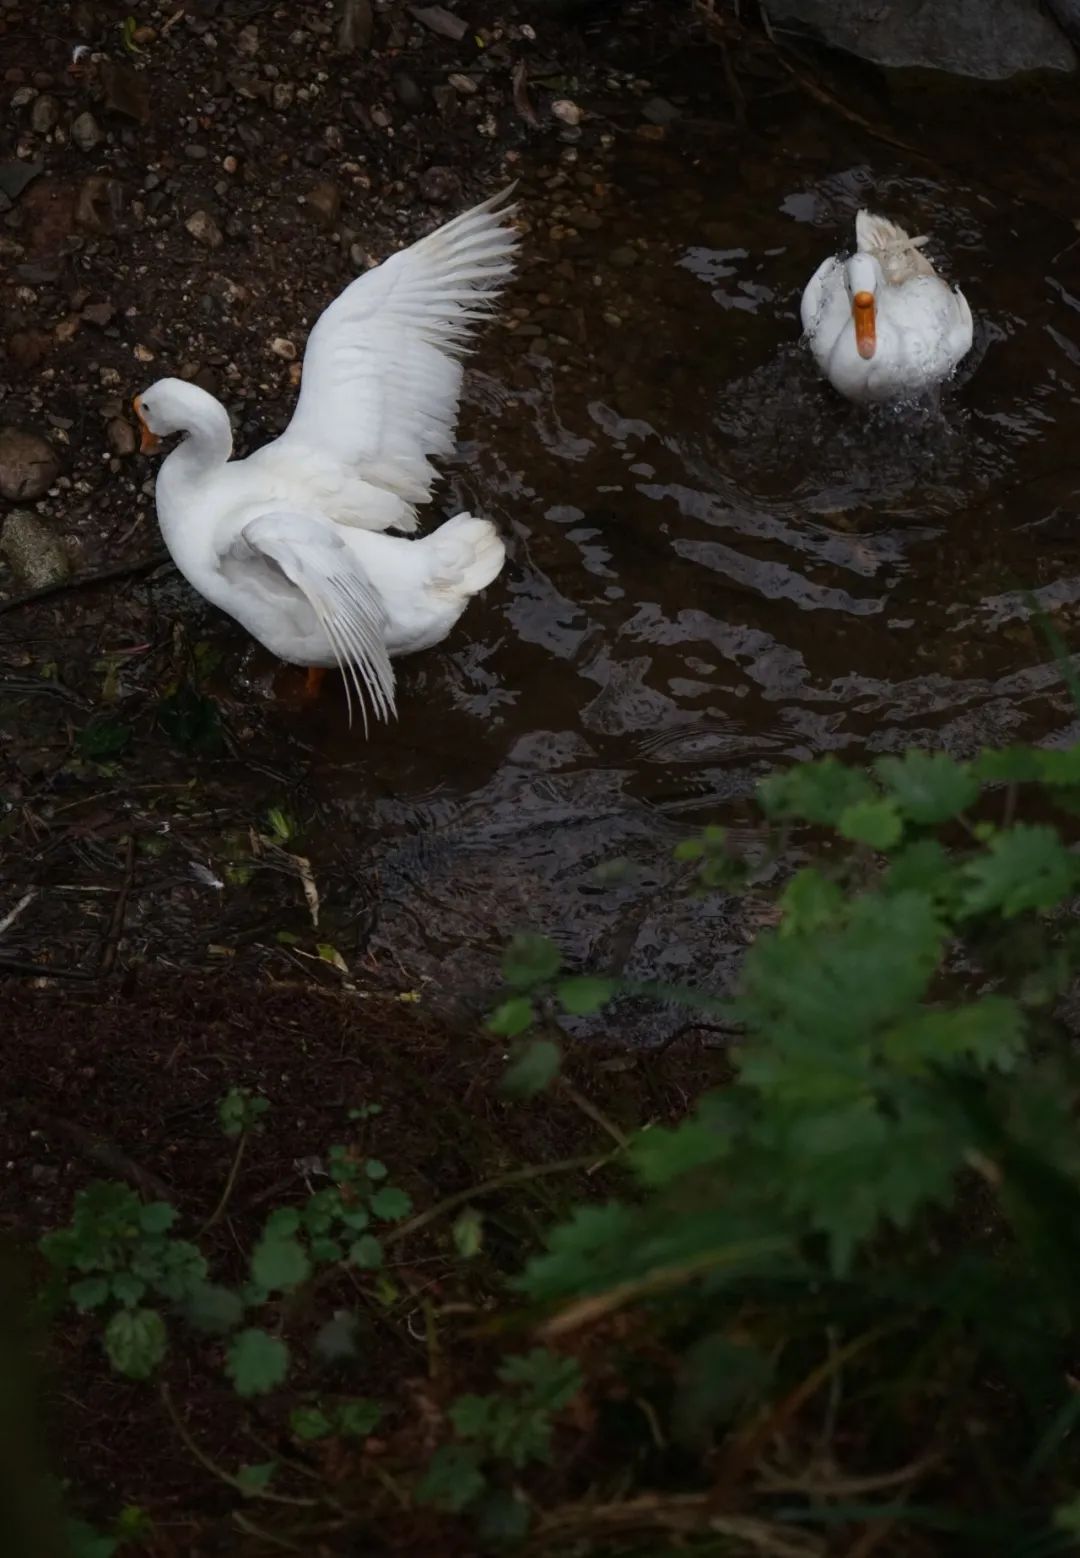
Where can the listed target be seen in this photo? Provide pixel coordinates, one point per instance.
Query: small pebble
(86, 132)
(204, 229)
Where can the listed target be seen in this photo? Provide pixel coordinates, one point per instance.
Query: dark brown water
(716, 565)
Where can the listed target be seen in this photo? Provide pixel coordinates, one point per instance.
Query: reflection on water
(716, 564)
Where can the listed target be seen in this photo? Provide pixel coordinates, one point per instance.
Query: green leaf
(136, 1342)
(337, 1339)
(367, 1253)
(127, 1289)
(501, 1518)
(279, 1264)
(256, 1362)
(815, 792)
(375, 1170)
(928, 787)
(310, 1423)
(923, 867)
(324, 1250)
(833, 988)
(530, 960)
(256, 1479)
(718, 1379)
(391, 1204)
(468, 1233)
(157, 1217)
(358, 1418)
(1009, 765)
(551, 1381)
(809, 902)
(282, 1222)
(471, 1416)
(453, 1479)
(1059, 769)
(987, 1033)
(876, 823)
(512, 1017)
(1025, 868)
(533, 1068)
(582, 995)
(214, 1309)
(239, 1111)
(103, 739)
(89, 1293)
(182, 1269)
(84, 1542)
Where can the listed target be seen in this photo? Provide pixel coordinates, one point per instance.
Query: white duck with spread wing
(883, 325)
(289, 541)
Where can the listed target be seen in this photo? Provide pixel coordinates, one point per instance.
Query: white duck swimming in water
(883, 325)
(286, 541)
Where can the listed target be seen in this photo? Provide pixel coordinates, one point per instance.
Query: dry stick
(597, 1306)
(24, 966)
(100, 1152)
(689, 1514)
(230, 1184)
(592, 1113)
(86, 581)
(116, 924)
(486, 1186)
(219, 1471)
(747, 1449)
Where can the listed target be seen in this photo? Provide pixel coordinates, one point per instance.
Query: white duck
(286, 541)
(883, 325)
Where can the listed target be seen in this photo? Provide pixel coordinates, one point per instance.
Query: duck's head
(863, 276)
(172, 406)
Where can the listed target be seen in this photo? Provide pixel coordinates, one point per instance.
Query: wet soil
(156, 1055)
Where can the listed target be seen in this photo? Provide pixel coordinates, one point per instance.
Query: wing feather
(382, 376)
(312, 555)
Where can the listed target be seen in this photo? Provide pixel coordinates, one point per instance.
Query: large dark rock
(1067, 13)
(989, 39)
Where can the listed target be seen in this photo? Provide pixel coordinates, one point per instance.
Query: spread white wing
(314, 558)
(382, 376)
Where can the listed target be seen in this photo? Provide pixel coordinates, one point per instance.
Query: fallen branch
(686, 1514)
(87, 581)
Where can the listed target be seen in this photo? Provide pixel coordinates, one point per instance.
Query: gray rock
(356, 26)
(16, 174)
(1067, 15)
(121, 436)
(440, 20)
(28, 464)
(32, 552)
(45, 114)
(659, 111)
(987, 39)
(324, 202)
(86, 132)
(203, 228)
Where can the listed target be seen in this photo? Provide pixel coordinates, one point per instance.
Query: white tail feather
(899, 255)
(468, 555)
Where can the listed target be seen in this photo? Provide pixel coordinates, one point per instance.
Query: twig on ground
(86, 581)
(116, 924)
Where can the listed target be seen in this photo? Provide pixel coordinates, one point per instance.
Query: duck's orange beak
(149, 443)
(864, 313)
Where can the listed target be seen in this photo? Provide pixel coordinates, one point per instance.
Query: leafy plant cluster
(837, 1307)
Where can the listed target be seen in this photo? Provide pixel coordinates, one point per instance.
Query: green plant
(513, 1427)
(833, 1309)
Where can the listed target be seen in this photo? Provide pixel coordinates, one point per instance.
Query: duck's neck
(206, 447)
